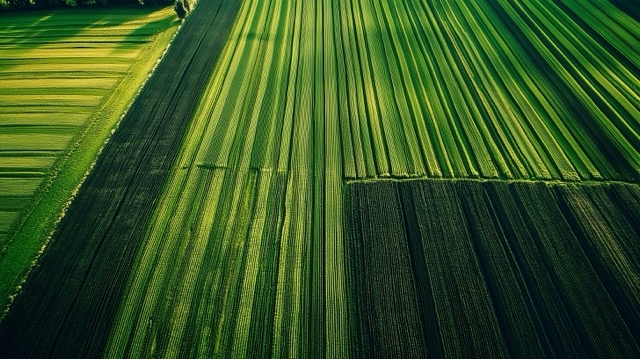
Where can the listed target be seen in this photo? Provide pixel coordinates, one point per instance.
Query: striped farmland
(489, 89)
(66, 77)
(374, 179)
(287, 76)
(465, 268)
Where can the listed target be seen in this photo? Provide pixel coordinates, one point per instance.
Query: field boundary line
(486, 180)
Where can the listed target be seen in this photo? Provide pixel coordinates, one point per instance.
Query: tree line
(45, 4)
(181, 7)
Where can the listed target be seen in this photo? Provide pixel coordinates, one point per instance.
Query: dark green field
(465, 268)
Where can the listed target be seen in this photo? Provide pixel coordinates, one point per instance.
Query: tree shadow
(38, 29)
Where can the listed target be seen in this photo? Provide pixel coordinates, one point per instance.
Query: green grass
(66, 78)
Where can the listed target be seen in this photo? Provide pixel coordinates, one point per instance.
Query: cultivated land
(363, 178)
(66, 77)
(123, 185)
(495, 269)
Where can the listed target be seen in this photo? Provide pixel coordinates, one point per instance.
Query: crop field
(350, 178)
(462, 268)
(493, 89)
(127, 175)
(65, 79)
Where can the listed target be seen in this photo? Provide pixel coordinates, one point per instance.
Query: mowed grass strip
(41, 54)
(59, 101)
(77, 68)
(20, 186)
(34, 141)
(18, 61)
(22, 161)
(11, 110)
(49, 100)
(460, 268)
(58, 84)
(73, 118)
(7, 219)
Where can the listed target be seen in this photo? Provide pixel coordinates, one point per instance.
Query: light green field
(66, 77)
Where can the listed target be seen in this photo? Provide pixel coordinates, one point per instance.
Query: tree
(182, 8)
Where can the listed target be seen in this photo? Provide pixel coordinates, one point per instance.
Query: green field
(66, 77)
(310, 95)
(491, 269)
(386, 178)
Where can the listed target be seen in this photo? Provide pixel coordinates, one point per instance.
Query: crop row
(74, 291)
(462, 268)
(492, 89)
(46, 103)
(220, 199)
(262, 164)
(206, 280)
(60, 95)
(258, 244)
